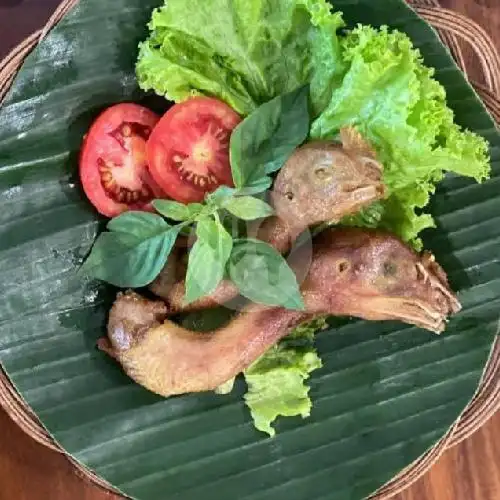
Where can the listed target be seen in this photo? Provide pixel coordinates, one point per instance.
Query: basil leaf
(207, 259)
(130, 259)
(220, 195)
(248, 208)
(263, 275)
(177, 211)
(262, 143)
(140, 224)
(256, 187)
(235, 226)
(212, 233)
(203, 272)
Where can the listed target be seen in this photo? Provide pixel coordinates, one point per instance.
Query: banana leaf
(386, 392)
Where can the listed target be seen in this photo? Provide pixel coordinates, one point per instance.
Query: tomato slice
(113, 161)
(188, 151)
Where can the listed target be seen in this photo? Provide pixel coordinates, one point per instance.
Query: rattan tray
(454, 30)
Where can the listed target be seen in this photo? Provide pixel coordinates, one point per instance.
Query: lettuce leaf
(253, 51)
(394, 101)
(276, 381)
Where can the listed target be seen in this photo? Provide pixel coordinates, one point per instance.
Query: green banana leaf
(386, 393)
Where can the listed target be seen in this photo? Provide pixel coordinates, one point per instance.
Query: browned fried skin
(130, 318)
(172, 360)
(225, 291)
(322, 181)
(354, 272)
(373, 275)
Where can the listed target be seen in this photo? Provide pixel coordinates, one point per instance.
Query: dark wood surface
(471, 471)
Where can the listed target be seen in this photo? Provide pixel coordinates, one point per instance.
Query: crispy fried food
(130, 320)
(168, 359)
(354, 272)
(322, 181)
(225, 291)
(373, 275)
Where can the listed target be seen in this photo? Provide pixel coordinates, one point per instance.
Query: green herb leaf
(262, 143)
(223, 193)
(177, 211)
(130, 259)
(220, 195)
(263, 275)
(207, 259)
(256, 187)
(248, 208)
(140, 224)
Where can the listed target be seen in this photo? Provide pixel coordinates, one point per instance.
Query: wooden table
(28, 471)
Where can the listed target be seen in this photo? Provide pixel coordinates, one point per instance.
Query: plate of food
(249, 248)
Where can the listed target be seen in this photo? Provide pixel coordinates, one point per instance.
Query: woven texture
(454, 30)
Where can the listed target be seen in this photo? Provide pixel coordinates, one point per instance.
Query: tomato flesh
(113, 161)
(188, 151)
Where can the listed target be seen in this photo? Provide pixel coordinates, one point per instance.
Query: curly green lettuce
(392, 98)
(277, 380)
(253, 50)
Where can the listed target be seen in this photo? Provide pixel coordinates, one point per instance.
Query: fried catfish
(354, 272)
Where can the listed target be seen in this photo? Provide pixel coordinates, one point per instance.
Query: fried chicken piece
(170, 360)
(322, 181)
(130, 320)
(225, 291)
(374, 275)
(354, 272)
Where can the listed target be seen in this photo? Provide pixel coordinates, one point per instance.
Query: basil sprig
(262, 143)
(263, 275)
(137, 244)
(133, 252)
(207, 258)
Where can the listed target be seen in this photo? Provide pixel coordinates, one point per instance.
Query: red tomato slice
(113, 162)
(188, 151)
